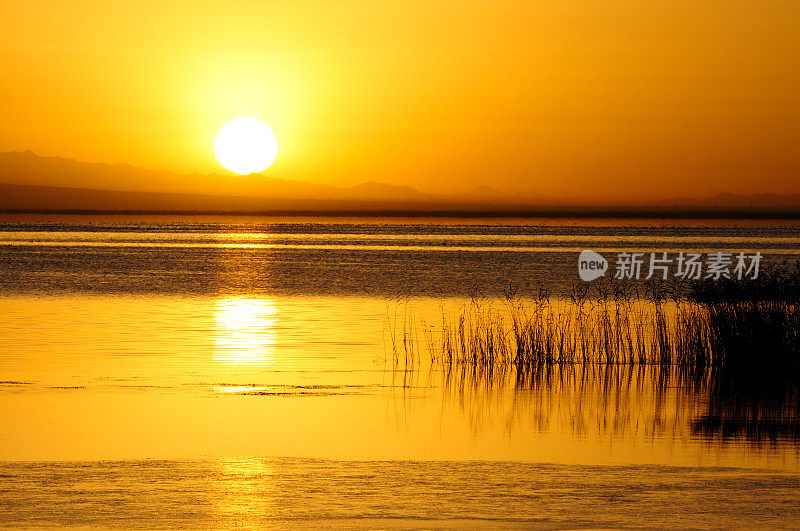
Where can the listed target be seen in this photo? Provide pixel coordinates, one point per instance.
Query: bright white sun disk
(245, 145)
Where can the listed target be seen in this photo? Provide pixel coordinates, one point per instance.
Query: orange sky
(571, 99)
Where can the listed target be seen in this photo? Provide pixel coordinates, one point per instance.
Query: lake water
(216, 371)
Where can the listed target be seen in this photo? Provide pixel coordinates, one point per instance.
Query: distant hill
(28, 168)
(382, 192)
(15, 197)
(32, 198)
(760, 200)
(32, 183)
(83, 179)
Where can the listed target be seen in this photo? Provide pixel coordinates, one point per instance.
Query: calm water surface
(249, 356)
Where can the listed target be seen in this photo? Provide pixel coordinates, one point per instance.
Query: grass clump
(702, 324)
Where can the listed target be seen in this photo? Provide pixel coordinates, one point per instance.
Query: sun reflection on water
(244, 331)
(249, 492)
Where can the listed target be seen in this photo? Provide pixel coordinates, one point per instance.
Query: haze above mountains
(27, 168)
(30, 182)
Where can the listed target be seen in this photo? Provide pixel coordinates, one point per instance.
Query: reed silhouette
(700, 324)
(732, 346)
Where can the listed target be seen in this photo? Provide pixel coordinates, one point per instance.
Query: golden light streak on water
(244, 331)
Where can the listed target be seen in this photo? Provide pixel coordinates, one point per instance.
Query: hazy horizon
(27, 168)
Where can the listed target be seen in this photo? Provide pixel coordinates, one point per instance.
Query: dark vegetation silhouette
(734, 344)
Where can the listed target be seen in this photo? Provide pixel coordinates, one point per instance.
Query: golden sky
(571, 99)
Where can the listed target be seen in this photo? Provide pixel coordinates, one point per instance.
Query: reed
(703, 324)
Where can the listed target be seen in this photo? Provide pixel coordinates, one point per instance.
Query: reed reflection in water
(721, 367)
(620, 400)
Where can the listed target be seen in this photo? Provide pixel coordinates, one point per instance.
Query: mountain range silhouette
(29, 182)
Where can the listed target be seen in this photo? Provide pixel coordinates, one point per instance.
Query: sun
(245, 145)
